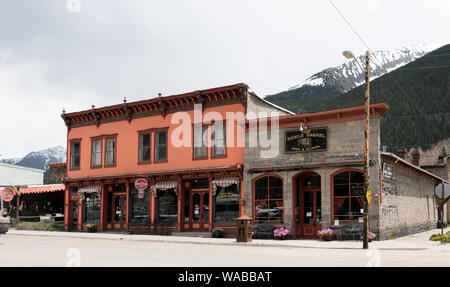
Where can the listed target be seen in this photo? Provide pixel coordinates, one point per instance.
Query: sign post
(141, 184)
(442, 191)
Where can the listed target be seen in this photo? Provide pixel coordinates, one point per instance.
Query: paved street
(23, 249)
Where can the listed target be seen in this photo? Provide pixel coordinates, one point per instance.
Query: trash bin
(244, 229)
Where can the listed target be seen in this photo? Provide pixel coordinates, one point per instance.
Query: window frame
(155, 146)
(204, 130)
(140, 134)
(94, 139)
(224, 130)
(238, 205)
(72, 142)
(106, 151)
(268, 198)
(350, 197)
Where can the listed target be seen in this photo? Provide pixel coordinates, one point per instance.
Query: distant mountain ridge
(40, 159)
(334, 81)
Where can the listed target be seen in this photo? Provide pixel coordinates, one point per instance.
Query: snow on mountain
(40, 159)
(351, 74)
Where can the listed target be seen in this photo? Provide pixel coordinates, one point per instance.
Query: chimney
(401, 152)
(416, 157)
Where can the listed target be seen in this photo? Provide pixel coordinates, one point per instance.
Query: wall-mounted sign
(141, 183)
(7, 194)
(388, 171)
(306, 140)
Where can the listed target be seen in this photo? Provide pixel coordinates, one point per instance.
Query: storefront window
(348, 196)
(167, 206)
(226, 203)
(92, 208)
(269, 200)
(139, 206)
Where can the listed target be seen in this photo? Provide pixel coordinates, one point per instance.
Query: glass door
(199, 211)
(74, 212)
(119, 211)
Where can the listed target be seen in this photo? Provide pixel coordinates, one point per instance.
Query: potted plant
(371, 237)
(91, 228)
(218, 233)
(326, 234)
(282, 233)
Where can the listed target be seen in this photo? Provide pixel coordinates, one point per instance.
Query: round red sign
(7, 194)
(141, 183)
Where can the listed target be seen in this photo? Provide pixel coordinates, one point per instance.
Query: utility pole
(366, 154)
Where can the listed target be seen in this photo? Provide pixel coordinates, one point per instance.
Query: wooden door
(119, 211)
(74, 215)
(311, 217)
(199, 211)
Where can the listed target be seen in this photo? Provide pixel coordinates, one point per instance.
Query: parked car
(4, 224)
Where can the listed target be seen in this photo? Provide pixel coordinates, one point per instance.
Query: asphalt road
(50, 251)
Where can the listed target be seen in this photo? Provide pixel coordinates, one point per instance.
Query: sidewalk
(418, 241)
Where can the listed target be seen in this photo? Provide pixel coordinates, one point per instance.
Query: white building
(14, 175)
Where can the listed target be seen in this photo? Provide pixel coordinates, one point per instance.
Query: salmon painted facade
(186, 150)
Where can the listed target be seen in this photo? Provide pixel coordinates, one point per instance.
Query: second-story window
(144, 148)
(96, 153)
(200, 134)
(110, 152)
(75, 155)
(218, 139)
(160, 146)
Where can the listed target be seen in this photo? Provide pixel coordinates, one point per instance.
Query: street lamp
(350, 55)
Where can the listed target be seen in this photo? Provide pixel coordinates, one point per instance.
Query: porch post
(80, 211)
(66, 207)
(211, 205)
(127, 218)
(179, 207)
(102, 207)
(152, 213)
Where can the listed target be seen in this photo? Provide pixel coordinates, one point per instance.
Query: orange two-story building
(185, 147)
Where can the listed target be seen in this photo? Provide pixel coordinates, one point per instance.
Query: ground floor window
(268, 200)
(226, 203)
(92, 208)
(139, 205)
(167, 208)
(348, 197)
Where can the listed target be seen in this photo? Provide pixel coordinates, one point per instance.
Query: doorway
(308, 205)
(119, 211)
(74, 215)
(196, 194)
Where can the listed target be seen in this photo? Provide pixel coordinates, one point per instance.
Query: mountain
(40, 159)
(419, 98)
(334, 81)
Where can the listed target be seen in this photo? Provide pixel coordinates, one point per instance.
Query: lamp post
(350, 55)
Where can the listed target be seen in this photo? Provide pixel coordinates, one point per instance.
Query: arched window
(348, 197)
(268, 200)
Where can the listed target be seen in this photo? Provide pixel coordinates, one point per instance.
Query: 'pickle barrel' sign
(306, 140)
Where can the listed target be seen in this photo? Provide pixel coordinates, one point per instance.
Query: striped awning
(42, 188)
(90, 189)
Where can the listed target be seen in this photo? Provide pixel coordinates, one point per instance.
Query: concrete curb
(346, 245)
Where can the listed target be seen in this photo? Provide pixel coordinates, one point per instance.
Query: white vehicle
(4, 224)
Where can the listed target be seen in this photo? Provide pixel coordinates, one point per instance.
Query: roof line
(22, 167)
(397, 159)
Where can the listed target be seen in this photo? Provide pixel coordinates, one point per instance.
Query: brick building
(193, 186)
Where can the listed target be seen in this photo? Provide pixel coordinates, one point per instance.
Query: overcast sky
(52, 57)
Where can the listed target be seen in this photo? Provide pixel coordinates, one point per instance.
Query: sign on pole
(7, 194)
(141, 184)
(442, 190)
(369, 196)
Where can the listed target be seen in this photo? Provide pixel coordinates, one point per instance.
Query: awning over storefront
(223, 182)
(42, 189)
(90, 189)
(164, 185)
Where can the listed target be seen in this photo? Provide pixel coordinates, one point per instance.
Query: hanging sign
(7, 194)
(306, 140)
(141, 183)
(140, 193)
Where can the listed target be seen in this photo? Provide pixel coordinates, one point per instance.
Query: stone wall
(345, 144)
(55, 174)
(408, 202)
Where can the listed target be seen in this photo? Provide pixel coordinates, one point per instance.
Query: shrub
(40, 226)
(393, 236)
(445, 238)
(91, 228)
(218, 233)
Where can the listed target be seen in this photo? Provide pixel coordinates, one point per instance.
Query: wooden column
(211, 205)
(127, 218)
(241, 198)
(152, 212)
(67, 214)
(179, 207)
(103, 207)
